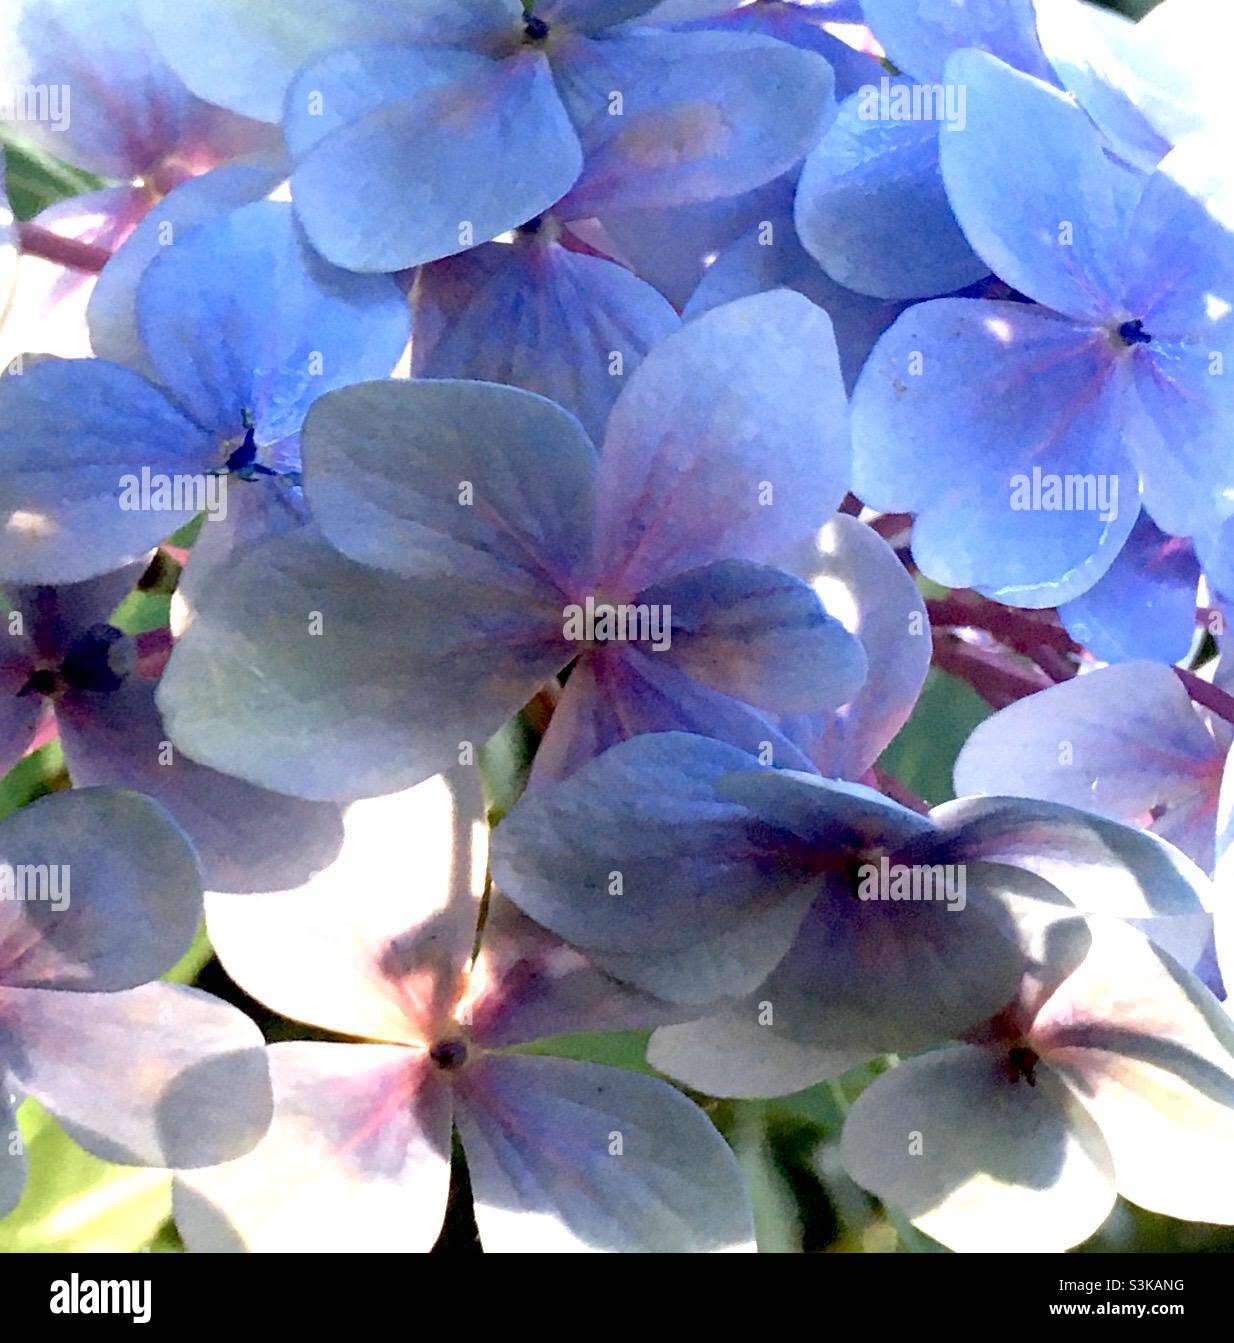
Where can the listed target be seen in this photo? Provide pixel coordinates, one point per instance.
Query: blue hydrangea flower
(1112, 1073)
(476, 523)
(92, 679)
(1113, 380)
(561, 1155)
(292, 328)
(739, 886)
(137, 1072)
(391, 113)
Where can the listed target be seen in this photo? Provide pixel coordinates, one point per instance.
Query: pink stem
(84, 256)
(1210, 696)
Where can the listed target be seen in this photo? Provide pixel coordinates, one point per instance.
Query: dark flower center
(534, 29)
(1133, 333)
(449, 1055)
(1021, 1062)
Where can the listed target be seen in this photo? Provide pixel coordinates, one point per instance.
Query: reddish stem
(998, 681)
(69, 252)
(1205, 693)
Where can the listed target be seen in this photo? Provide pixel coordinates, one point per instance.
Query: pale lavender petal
(161, 1075)
(567, 1156)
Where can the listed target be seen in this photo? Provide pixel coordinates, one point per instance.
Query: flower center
(449, 1055)
(534, 29)
(1133, 333)
(1021, 1062)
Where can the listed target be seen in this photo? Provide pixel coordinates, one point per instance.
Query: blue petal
(871, 206)
(698, 916)
(672, 248)
(538, 316)
(70, 431)
(386, 177)
(731, 441)
(919, 38)
(244, 56)
(760, 635)
(320, 678)
(703, 114)
(1144, 606)
(294, 327)
(467, 479)
(1179, 267)
(1053, 227)
(112, 311)
(996, 393)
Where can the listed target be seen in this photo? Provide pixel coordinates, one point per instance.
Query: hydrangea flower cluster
(571, 447)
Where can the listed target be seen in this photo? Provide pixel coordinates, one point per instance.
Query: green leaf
(923, 756)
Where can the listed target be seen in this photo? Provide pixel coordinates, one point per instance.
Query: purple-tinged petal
(622, 692)
(111, 892)
(769, 256)
(1144, 606)
(1057, 236)
(469, 479)
(72, 432)
(534, 987)
(1026, 492)
(760, 635)
(872, 210)
(294, 327)
(109, 103)
(19, 714)
(304, 672)
(355, 948)
(1149, 1052)
(731, 441)
(862, 583)
(1123, 741)
(387, 178)
(50, 304)
(1102, 866)
(588, 16)
(637, 861)
(978, 1161)
(701, 115)
(356, 1159)
(537, 316)
(567, 1156)
(161, 1075)
(1216, 553)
